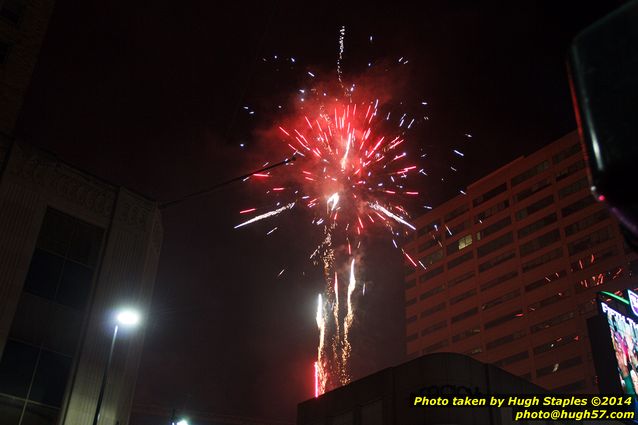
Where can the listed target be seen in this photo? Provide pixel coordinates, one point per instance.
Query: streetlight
(127, 318)
(182, 422)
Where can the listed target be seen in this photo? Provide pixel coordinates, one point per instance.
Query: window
(428, 311)
(432, 291)
(546, 324)
(495, 244)
(465, 315)
(410, 319)
(495, 261)
(491, 211)
(433, 328)
(429, 244)
(528, 174)
(455, 230)
(489, 195)
(456, 212)
(545, 258)
(429, 275)
(500, 300)
(433, 257)
(566, 172)
(537, 225)
(540, 242)
(493, 228)
(591, 259)
(586, 222)
(535, 207)
(436, 346)
(463, 296)
(572, 150)
(410, 302)
(412, 337)
(537, 187)
(45, 331)
(504, 319)
(505, 339)
(474, 351)
(590, 241)
(577, 186)
(539, 283)
(559, 366)
(459, 244)
(555, 343)
(429, 227)
(546, 302)
(466, 334)
(600, 278)
(578, 205)
(460, 259)
(497, 281)
(410, 283)
(512, 359)
(460, 279)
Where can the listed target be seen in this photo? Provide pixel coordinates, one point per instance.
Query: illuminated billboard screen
(623, 332)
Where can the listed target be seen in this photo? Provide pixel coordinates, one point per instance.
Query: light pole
(128, 318)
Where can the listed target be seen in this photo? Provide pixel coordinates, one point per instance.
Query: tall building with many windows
(508, 272)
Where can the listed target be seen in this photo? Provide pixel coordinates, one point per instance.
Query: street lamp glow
(182, 422)
(128, 318)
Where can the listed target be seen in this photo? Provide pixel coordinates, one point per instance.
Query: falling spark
(266, 215)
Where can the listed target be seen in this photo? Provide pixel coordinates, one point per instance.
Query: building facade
(508, 272)
(72, 249)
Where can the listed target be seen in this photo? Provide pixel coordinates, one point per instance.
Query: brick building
(509, 271)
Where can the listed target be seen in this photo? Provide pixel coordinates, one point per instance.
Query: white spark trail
(266, 215)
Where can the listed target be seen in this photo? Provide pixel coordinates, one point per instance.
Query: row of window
(538, 186)
(498, 321)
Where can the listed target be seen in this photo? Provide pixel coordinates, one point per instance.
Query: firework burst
(353, 171)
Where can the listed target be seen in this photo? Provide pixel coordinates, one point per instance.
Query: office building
(72, 249)
(508, 272)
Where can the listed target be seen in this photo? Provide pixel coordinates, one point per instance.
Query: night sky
(151, 97)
